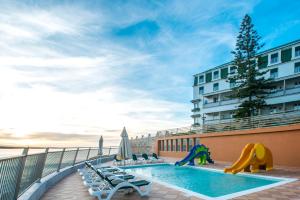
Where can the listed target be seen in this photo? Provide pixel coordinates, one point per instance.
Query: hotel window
(274, 73)
(215, 116)
(275, 109)
(169, 145)
(201, 90)
(232, 70)
(216, 87)
(274, 58)
(231, 83)
(297, 106)
(297, 51)
(196, 80)
(178, 145)
(160, 145)
(201, 79)
(184, 143)
(215, 99)
(173, 145)
(190, 141)
(297, 67)
(216, 75)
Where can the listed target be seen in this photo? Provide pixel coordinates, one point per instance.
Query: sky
(71, 71)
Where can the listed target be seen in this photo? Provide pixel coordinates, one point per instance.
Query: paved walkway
(72, 188)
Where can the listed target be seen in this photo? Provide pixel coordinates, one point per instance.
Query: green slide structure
(198, 151)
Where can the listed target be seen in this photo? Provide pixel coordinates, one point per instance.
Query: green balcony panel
(208, 77)
(224, 73)
(286, 55)
(262, 62)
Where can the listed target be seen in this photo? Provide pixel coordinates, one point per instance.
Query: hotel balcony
(196, 115)
(221, 103)
(270, 98)
(195, 110)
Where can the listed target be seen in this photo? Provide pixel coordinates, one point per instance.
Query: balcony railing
(19, 172)
(212, 104)
(293, 90)
(278, 119)
(277, 93)
(196, 110)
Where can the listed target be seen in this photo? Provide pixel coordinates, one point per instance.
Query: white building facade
(211, 102)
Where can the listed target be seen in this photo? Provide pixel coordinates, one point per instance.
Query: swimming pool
(205, 183)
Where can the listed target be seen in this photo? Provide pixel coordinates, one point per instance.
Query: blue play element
(198, 151)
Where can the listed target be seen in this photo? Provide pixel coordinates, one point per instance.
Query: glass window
(297, 106)
(173, 145)
(196, 80)
(215, 99)
(216, 87)
(274, 73)
(232, 70)
(165, 145)
(232, 83)
(184, 143)
(169, 145)
(201, 79)
(297, 67)
(274, 58)
(201, 90)
(197, 141)
(297, 51)
(216, 74)
(178, 144)
(190, 141)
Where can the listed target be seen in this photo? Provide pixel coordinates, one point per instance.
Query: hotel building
(211, 103)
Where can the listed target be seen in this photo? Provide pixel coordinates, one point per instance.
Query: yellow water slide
(253, 157)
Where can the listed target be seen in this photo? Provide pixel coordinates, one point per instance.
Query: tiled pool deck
(71, 188)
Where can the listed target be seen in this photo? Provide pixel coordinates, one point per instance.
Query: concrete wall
(283, 141)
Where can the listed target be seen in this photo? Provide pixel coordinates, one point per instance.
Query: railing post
(42, 165)
(109, 150)
(61, 158)
(88, 154)
(19, 178)
(75, 156)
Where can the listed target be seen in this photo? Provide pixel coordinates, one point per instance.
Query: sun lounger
(105, 192)
(155, 157)
(147, 159)
(136, 160)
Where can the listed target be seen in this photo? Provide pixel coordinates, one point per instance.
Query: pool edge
(282, 181)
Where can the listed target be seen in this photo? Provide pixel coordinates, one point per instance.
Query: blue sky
(85, 68)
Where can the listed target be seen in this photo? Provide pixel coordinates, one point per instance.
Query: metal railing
(276, 93)
(260, 121)
(19, 172)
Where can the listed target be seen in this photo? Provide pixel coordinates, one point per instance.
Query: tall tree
(251, 86)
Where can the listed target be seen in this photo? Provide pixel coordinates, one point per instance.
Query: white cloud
(60, 71)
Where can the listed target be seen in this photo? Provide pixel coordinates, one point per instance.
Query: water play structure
(198, 151)
(253, 158)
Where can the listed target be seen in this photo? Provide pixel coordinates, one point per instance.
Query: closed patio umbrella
(100, 150)
(125, 147)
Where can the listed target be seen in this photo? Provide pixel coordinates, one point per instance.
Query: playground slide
(198, 151)
(253, 157)
(242, 161)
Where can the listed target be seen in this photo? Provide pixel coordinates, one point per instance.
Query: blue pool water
(206, 182)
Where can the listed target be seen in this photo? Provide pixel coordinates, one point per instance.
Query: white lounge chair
(105, 192)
